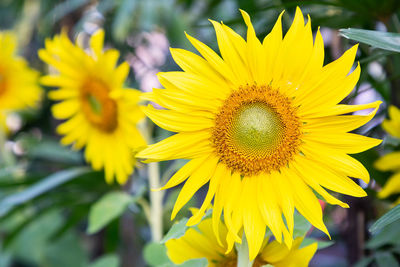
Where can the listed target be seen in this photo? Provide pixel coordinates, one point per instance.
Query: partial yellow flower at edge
(392, 125)
(101, 115)
(391, 161)
(203, 243)
(19, 88)
(263, 126)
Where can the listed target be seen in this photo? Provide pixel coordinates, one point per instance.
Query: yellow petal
(269, 209)
(254, 226)
(192, 63)
(299, 257)
(183, 173)
(274, 252)
(96, 42)
(230, 54)
(199, 178)
(306, 202)
(213, 59)
(343, 123)
(65, 109)
(346, 142)
(182, 145)
(389, 162)
(176, 121)
(392, 126)
(193, 84)
(272, 44)
(338, 161)
(328, 178)
(392, 186)
(213, 184)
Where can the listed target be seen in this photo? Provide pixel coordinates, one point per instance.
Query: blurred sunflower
(101, 114)
(263, 126)
(19, 87)
(391, 161)
(203, 243)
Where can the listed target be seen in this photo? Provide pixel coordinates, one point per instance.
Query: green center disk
(257, 128)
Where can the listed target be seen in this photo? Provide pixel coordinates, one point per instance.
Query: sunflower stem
(243, 254)
(6, 157)
(156, 205)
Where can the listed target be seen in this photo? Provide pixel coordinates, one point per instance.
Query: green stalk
(156, 205)
(243, 254)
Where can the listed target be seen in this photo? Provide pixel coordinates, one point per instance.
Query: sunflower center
(257, 130)
(100, 110)
(256, 127)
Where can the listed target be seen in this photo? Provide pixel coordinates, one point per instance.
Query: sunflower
(263, 125)
(203, 243)
(19, 87)
(101, 115)
(391, 161)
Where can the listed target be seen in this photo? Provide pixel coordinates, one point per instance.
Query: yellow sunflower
(203, 243)
(101, 115)
(263, 125)
(19, 87)
(391, 161)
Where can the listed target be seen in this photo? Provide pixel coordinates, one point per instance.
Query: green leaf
(110, 260)
(385, 259)
(53, 151)
(301, 225)
(155, 254)
(190, 263)
(383, 40)
(390, 234)
(195, 263)
(123, 19)
(364, 262)
(64, 252)
(177, 230)
(45, 185)
(31, 243)
(109, 207)
(321, 243)
(390, 217)
(64, 8)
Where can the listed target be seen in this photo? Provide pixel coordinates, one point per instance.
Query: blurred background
(48, 196)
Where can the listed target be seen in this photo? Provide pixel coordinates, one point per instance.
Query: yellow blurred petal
(392, 125)
(96, 42)
(274, 252)
(389, 162)
(392, 186)
(299, 257)
(65, 109)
